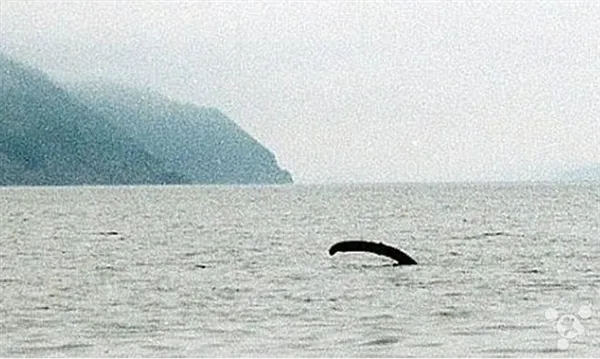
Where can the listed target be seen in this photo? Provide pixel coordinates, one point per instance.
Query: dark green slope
(200, 143)
(48, 137)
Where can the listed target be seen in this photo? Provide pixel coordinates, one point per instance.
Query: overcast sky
(341, 91)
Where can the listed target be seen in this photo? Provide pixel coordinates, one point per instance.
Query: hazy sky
(351, 91)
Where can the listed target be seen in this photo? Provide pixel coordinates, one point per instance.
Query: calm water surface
(504, 270)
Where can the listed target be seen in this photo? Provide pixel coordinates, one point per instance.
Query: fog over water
(339, 91)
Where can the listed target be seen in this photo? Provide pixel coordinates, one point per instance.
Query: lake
(505, 269)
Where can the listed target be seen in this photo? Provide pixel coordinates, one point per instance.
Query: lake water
(504, 270)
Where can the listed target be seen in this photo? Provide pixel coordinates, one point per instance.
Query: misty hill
(200, 143)
(583, 174)
(47, 137)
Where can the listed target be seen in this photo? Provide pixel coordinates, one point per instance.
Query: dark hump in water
(372, 247)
